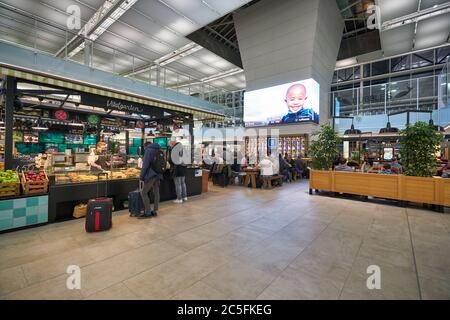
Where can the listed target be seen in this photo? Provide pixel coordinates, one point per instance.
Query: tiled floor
(238, 243)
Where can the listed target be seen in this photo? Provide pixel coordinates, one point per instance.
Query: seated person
(367, 165)
(343, 166)
(296, 97)
(284, 169)
(353, 164)
(266, 167)
(397, 166)
(300, 166)
(386, 169)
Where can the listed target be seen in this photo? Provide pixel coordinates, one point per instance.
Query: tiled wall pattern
(23, 212)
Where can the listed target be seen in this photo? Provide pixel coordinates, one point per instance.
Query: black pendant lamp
(437, 127)
(352, 130)
(388, 128)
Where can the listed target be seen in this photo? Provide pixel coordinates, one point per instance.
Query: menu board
(48, 137)
(90, 140)
(73, 139)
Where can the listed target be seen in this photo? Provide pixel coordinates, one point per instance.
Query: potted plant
(420, 142)
(324, 149)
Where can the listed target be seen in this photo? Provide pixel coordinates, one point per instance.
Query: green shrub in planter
(324, 148)
(419, 144)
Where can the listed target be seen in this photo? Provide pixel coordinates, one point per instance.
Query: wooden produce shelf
(33, 187)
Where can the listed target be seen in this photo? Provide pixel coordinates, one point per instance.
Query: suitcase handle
(106, 183)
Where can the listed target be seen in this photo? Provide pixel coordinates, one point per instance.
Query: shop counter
(64, 197)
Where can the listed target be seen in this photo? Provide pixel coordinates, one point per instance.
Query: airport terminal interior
(224, 150)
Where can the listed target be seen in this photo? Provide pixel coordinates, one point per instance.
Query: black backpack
(159, 162)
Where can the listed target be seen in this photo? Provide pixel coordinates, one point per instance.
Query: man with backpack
(153, 167)
(176, 160)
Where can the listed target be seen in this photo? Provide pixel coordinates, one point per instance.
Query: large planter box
(397, 187)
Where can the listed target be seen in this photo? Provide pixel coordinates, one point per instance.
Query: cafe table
(250, 176)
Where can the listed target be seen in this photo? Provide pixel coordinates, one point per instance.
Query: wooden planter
(396, 187)
(34, 187)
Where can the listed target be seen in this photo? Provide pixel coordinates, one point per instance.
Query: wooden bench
(267, 181)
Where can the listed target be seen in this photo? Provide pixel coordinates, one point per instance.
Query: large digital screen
(288, 103)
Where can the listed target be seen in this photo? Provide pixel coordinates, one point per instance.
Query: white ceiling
(149, 30)
(430, 32)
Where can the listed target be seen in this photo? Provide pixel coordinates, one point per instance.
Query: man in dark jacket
(176, 160)
(149, 180)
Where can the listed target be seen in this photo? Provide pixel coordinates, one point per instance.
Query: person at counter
(150, 178)
(98, 160)
(178, 170)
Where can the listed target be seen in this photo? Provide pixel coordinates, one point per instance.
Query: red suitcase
(99, 212)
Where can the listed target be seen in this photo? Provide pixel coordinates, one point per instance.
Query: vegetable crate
(34, 182)
(9, 188)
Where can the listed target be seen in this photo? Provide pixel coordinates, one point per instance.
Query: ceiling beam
(108, 13)
(212, 78)
(416, 17)
(173, 56)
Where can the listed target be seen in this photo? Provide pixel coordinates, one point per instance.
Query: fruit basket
(9, 184)
(34, 182)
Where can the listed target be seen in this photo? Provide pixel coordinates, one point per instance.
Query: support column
(9, 121)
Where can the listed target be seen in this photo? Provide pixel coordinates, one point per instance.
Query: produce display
(35, 176)
(34, 182)
(8, 176)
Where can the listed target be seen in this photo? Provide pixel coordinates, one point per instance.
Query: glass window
(380, 67)
(422, 59)
(345, 74)
(335, 77)
(357, 72)
(442, 54)
(367, 70)
(401, 63)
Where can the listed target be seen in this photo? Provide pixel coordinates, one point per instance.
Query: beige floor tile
(396, 283)
(189, 240)
(111, 271)
(435, 288)
(332, 267)
(378, 254)
(199, 291)
(52, 289)
(301, 285)
(337, 243)
(430, 259)
(55, 265)
(217, 228)
(25, 253)
(116, 292)
(270, 257)
(237, 243)
(238, 280)
(12, 279)
(240, 239)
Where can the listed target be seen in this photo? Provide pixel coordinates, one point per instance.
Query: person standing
(177, 163)
(151, 175)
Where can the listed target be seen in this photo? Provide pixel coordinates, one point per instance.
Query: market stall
(55, 141)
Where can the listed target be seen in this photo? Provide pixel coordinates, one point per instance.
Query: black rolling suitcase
(135, 203)
(99, 211)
